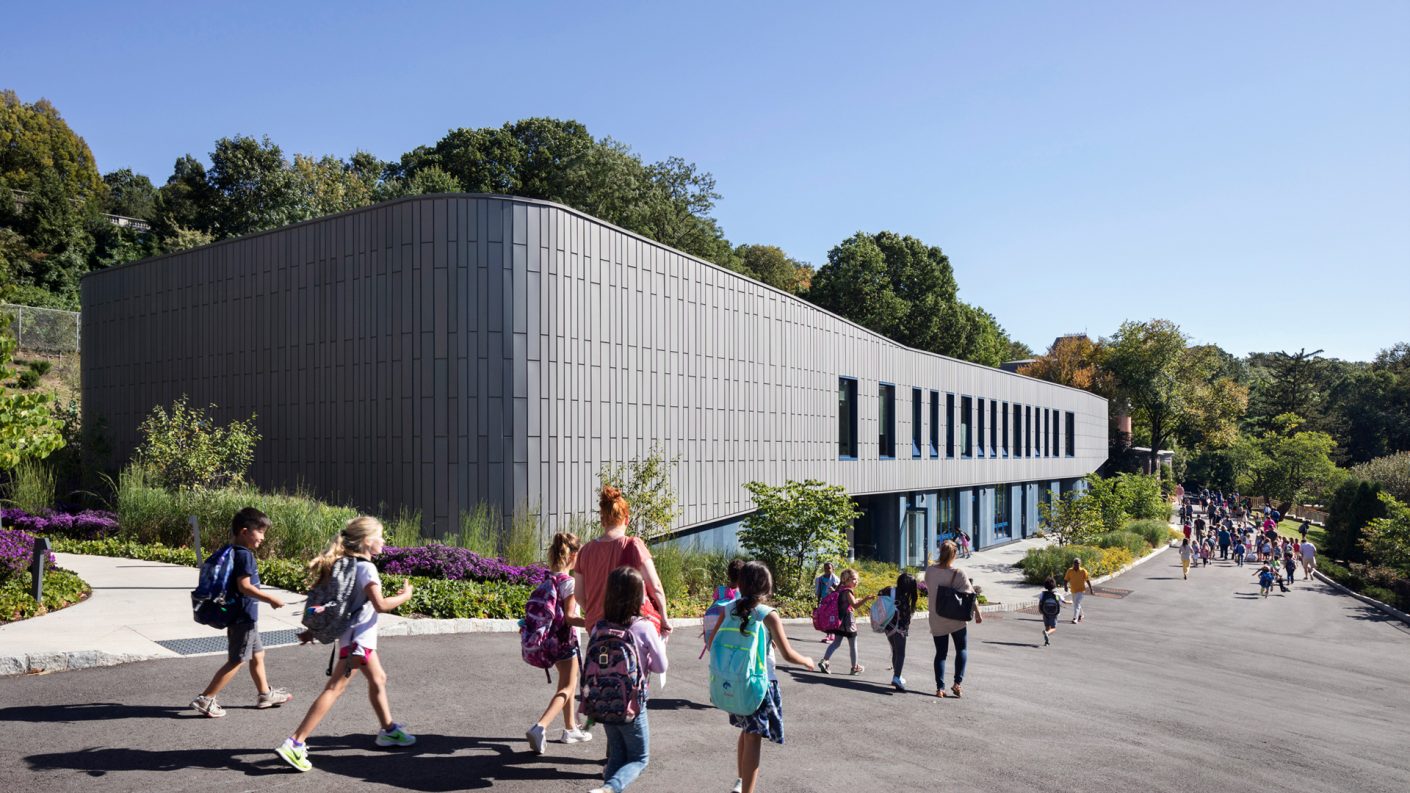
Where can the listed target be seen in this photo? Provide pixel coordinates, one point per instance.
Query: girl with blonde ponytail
(361, 539)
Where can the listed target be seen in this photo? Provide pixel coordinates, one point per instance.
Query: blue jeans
(942, 650)
(628, 746)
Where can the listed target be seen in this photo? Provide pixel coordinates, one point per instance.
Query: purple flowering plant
(90, 524)
(456, 564)
(16, 551)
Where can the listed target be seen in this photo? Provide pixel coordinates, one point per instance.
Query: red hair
(611, 506)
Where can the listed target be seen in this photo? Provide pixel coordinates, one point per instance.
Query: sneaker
(603, 789)
(536, 739)
(574, 735)
(395, 735)
(899, 683)
(858, 669)
(273, 698)
(294, 754)
(824, 666)
(738, 786)
(208, 706)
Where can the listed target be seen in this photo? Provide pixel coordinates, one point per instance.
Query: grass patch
(61, 588)
(1287, 527)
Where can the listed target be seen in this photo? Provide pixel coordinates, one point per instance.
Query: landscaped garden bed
(61, 587)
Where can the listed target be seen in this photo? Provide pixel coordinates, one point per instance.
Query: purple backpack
(614, 684)
(545, 638)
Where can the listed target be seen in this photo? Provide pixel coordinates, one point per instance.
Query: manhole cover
(217, 644)
(1110, 592)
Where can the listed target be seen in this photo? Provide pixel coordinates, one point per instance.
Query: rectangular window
(1056, 434)
(846, 418)
(1017, 430)
(934, 423)
(979, 427)
(966, 426)
(1070, 433)
(1043, 430)
(1001, 511)
(1027, 430)
(916, 407)
(1005, 436)
(993, 428)
(886, 421)
(950, 425)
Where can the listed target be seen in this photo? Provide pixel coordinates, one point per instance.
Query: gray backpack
(333, 603)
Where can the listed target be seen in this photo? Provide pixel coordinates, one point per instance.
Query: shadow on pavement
(1013, 644)
(848, 682)
(436, 763)
(94, 711)
(664, 703)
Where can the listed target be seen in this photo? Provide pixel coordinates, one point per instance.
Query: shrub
(479, 530)
(1155, 532)
(1053, 560)
(1386, 540)
(89, 524)
(185, 448)
(1380, 593)
(40, 368)
(456, 564)
(61, 588)
(1391, 472)
(1354, 504)
(1134, 543)
(31, 487)
(646, 485)
(16, 552)
(795, 526)
(27, 380)
(525, 543)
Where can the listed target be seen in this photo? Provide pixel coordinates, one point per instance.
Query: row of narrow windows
(984, 427)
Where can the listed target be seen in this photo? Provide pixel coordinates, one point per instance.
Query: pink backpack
(544, 634)
(827, 617)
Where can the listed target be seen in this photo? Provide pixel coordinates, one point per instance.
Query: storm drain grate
(1110, 592)
(217, 644)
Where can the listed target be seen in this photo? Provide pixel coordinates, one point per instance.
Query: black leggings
(898, 652)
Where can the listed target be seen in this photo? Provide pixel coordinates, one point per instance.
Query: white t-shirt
(363, 632)
(1309, 552)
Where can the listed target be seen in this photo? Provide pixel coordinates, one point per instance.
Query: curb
(44, 663)
(1370, 601)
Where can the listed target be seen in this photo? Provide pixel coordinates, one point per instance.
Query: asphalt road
(1183, 686)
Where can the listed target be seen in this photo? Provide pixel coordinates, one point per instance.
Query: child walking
(905, 596)
(755, 585)
(562, 553)
(247, 530)
(846, 602)
(1265, 580)
(361, 539)
(629, 743)
(1050, 606)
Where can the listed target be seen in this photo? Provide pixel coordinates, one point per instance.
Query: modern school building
(438, 352)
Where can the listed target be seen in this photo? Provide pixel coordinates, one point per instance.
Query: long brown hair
(565, 544)
(622, 601)
(948, 549)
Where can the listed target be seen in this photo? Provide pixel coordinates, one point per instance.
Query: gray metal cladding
(434, 352)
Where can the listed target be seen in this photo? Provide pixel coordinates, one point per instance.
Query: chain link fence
(43, 330)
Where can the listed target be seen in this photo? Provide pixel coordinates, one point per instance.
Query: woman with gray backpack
(953, 603)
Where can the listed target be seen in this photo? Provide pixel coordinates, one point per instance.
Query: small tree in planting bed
(646, 484)
(185, 448)
(796, 526)
(1074, 518)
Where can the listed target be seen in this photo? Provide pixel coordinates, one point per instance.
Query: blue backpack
(211, 603)
(739, 675)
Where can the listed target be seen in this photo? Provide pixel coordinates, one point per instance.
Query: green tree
(36, 142)
(1073, 518)
(646, 484)
(1288, 463)
(185, 204)
(28, 428)
(185, 447)
(130, 194)
(1354, 504)
(795, 526)
(768, 263)
(253, 187)
(1386, 540)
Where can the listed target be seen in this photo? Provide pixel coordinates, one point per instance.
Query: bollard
(36, 568)
(195, 537)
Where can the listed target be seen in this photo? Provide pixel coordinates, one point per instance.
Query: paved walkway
(141, 610)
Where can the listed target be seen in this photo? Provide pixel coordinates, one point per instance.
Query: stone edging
(1370, 601)
(43, 663)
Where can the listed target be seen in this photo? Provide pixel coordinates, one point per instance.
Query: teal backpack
(739, 675)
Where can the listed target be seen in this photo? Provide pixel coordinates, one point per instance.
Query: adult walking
(1224, 542)
(1309, 559)
(950, 627)
(1187, 553)
(1076, 581)
(614, 549)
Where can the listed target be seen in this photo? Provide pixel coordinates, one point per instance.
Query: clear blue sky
(1240, 168)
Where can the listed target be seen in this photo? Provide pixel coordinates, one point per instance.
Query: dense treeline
(53, 203)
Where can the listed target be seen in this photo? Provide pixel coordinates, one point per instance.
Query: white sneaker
(738, 786)
(535, 734)
(575, 735)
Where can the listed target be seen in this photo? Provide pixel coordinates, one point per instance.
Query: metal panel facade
(435, 352)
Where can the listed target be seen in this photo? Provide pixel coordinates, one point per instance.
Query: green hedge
(61, 588)
(1154, 531)
(1039, 563)
(1134, 543)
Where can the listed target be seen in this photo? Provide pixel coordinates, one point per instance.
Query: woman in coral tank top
(612, 550)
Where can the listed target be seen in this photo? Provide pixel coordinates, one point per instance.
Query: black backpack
(1049, 604)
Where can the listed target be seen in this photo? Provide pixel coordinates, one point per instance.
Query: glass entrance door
(913, 539)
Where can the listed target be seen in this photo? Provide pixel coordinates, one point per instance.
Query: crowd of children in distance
(608, 587)
(1241, 534)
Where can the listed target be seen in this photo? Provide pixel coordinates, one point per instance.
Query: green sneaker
(294, 755)
(395, 736)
